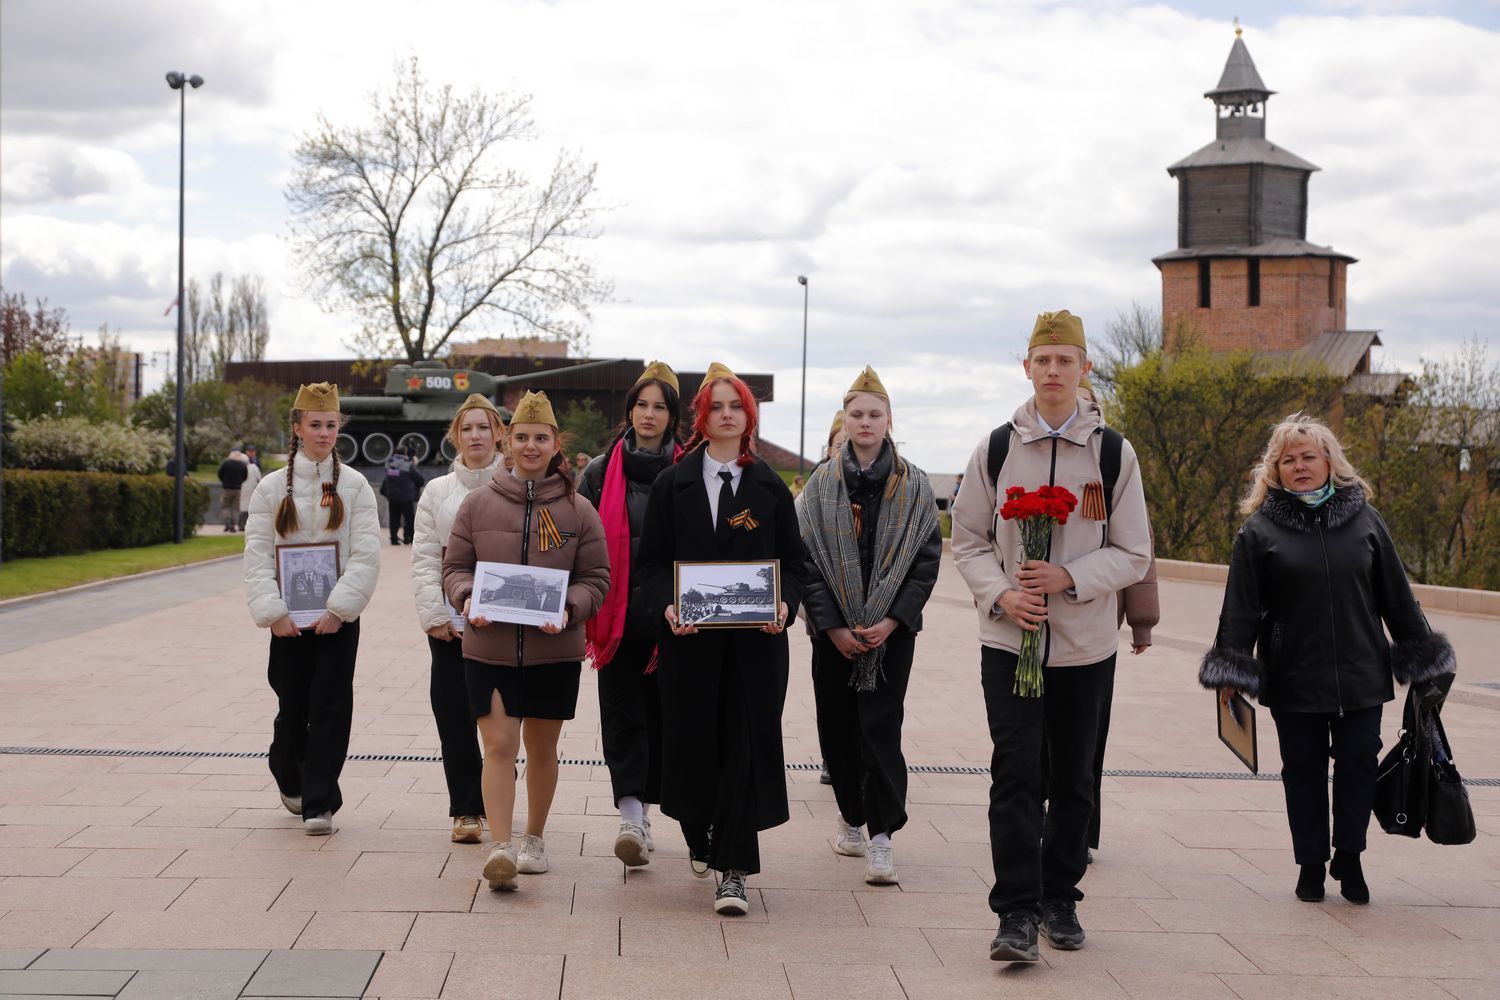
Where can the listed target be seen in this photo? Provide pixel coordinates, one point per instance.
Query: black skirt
(536, 691)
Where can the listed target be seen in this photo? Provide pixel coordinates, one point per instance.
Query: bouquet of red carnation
(1037, 512)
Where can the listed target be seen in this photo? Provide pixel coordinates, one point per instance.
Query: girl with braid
(869, 521)
(312, 670)
(722, 690)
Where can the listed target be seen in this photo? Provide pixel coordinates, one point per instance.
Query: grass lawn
(20, 577)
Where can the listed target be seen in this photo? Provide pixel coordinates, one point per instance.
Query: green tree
(422, 220)
(206, 434)
(33, 388)
(1198, 421)
(588, 430)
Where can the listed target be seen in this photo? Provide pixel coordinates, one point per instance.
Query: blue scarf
(1315, 498)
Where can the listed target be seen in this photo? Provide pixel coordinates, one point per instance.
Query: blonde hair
(1298, 427)
(496, 427)
(286, 511)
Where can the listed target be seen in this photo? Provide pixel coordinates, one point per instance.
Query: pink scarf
(605, 629)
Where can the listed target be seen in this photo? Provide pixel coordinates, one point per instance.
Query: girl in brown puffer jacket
(523, 679)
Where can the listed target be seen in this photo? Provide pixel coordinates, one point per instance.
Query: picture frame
(519, 594)
(1237, 729)
(306, 574)
(728, 594)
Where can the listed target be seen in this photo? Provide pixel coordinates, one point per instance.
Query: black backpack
(1109, 459)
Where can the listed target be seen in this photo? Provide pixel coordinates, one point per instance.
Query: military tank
(742, 593)
(416, 407)
(522, 591)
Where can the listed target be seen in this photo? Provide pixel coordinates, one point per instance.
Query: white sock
(646, 811)
(881, 840)
(631, 810)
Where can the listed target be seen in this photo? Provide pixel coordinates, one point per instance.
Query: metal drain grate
(421, 758)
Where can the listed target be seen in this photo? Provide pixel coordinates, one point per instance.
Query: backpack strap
(1109, 465)
(999, 448)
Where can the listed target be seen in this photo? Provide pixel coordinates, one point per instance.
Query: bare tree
(226, 321)
(419, 220)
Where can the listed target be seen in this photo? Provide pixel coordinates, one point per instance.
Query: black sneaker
(824, 778)
(730, 897)
(1016, 939)
(1060, 925)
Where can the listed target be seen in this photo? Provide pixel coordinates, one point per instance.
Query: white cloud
(941, 171)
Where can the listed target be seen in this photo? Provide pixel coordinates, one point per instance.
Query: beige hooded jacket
(1103, 558)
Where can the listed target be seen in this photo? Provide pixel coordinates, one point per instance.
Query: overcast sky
(941, 170)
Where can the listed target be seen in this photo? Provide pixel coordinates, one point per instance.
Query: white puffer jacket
(358, 538)
(435, 512)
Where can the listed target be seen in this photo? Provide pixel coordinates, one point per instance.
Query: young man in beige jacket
(1104, 547)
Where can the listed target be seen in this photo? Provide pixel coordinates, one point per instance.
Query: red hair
(703, 405)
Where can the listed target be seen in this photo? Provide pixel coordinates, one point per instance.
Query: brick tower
(1243, 274)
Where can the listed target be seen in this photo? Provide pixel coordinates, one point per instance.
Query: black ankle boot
(1310, 884)
(1351, 876)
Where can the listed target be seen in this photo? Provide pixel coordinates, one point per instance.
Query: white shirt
(1066, 423)
(713, 483)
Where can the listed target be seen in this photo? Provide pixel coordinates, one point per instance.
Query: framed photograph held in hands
(306, 575)
(728, 594)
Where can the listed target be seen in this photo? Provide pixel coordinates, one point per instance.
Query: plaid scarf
(908, 515)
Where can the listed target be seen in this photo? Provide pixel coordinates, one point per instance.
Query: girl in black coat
(722, 690)
(622, 637)
(869, 521)
(1312, 577)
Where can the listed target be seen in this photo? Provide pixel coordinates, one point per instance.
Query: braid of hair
(692, 443)
(335, 502)
(747, 454)
(286, 513)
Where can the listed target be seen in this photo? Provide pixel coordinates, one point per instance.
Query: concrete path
(153, 873)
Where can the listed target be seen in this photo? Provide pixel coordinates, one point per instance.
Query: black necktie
(726, 500)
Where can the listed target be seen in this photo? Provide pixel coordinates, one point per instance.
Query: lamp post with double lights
(178, 82)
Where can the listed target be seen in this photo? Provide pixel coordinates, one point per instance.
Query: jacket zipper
(1333, 632)
(1047, 636)
(525, 546)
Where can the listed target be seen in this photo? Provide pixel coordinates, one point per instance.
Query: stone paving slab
(47, 981)
(184, 873)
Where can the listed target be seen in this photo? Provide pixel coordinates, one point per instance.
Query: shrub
(74, 444)
(50, 513)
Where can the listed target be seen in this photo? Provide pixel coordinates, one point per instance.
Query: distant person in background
(580, 462)
(252, 455)
(252, 480)
(401, 487)
(957, 484)
(232, 474)
(798, 481)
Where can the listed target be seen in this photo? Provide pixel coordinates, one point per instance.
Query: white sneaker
(531, 859)
(630, 845)
(291, 803)
(500, 867)
(318, 826)
(650, 843)
(881, 870)
(851, 840)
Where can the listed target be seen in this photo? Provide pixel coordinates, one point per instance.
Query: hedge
(55, 513)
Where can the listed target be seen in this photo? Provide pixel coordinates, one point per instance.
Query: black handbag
(1450, 818)
(1401, 782)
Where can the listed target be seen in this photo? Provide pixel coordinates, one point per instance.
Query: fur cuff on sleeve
(1428, 658)
(1228, 668)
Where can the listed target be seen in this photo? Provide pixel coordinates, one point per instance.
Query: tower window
(1205, 297)
(1254, 280)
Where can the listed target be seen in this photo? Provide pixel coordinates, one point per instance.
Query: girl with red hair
(722, 690)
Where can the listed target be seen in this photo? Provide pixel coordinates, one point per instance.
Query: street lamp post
(180, 83)
(802, 419)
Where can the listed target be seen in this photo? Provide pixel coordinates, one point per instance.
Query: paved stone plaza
(181, 876)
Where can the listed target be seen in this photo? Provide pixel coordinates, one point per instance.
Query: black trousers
(630, 722)
(457, 734)
(1307, 740)
(734, 840)
(313, 677)
(402, 511)
(1032, 862)
(1095, 823)
(860, 733)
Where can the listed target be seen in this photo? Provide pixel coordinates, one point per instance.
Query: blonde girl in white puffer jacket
(477, 433)
(312, 670)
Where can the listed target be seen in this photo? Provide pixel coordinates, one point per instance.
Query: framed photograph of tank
(521, 595)
(728, 594)
(306, 575)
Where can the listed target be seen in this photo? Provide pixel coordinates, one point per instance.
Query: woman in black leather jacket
(622, 637)
(1313, 576)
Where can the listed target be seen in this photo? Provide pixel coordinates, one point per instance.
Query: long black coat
(679, 528)
(641, 469)
(1308, 591)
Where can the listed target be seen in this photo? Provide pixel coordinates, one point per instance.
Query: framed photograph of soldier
(306, 575)
(520, 595)
(1237, 729)
(728, 594)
